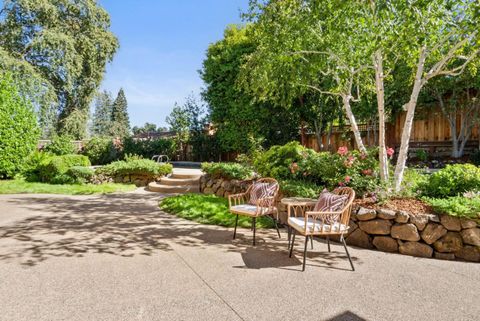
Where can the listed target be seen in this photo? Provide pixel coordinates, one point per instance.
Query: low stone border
(422, 235)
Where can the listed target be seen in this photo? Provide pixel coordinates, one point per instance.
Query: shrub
(19, 132)
(100, 151)
(452, 181)
(148, 148)
(227, 170)
(289, 161)
(32, 165)
(61, 145)
(413, 180)
(81, 174)
(296, 188)
(55, 169)
(130, 166)
(456, 206)
(475, 157)
(422, 155)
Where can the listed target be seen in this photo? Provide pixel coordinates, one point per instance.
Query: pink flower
(363, 156)
(367, 172)
(342, 150)
(390, 151)
(341, 184)
(347, 179)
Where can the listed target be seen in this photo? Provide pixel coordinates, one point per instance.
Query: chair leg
(254, 229)
(348, 254)
(292, 243)
(311, 241)
(305, 252)
(289, 235)
(276, 226)
(328, 243)
(235, 230)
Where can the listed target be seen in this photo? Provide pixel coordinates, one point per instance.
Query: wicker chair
(239, 205)
(324, 224)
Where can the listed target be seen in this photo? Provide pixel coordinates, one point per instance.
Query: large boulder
(385, 244)
(471, 236)
(469, 253)
(420, 221)
(359, 238)
(451, 223)
(405, 232)
(433, 232)
(386, 214)
(402, 217)
(444, 256)
(468, 223)
(365, 214)
(415, 249)
(377, 226)
(450, 242)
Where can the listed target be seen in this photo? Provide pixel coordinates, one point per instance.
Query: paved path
(118, 257)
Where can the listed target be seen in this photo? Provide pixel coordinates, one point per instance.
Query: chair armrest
(237, 199)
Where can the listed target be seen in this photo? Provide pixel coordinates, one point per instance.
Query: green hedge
(54, 169)
(144, 167)
(452, 181)
(100, 150)
(81, 174)
(227, 170)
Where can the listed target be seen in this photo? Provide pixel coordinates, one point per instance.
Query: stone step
(179, 181)
(180, 175)
(162, 188)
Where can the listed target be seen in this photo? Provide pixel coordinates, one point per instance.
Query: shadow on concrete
(132, 224)
(346, 316)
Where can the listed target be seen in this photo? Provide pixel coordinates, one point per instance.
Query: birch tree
(440, 38)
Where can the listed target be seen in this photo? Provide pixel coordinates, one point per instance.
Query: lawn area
(22, 187)
(208, 209)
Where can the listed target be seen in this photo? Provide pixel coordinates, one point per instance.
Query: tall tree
(60, 49)
(179, 122)
(147, 128)
(102, 116)
(120, 123)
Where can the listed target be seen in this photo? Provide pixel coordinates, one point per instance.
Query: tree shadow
(127, 225)
(347, 316)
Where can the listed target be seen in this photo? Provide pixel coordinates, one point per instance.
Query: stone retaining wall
(138, 180)
(425, 235)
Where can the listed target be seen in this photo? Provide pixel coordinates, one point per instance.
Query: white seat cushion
(315, 226)
(248, 209)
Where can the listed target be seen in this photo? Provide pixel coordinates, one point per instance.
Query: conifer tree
(120, 125)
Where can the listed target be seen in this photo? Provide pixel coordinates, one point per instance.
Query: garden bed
(411, 205)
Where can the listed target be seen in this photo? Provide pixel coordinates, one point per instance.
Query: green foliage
(413, 182)
(227, 170)
(100, 151)
(208, 209)
(458, 206)
(54, 170)
(102, 117)
(421, 155)
(18, 186)
(19, 132)
(452, 181)
(33, 163)
(80, 174)
(120, 123)
(135, 166)
(64, 46)
(149, 147)
(61, 145)
(298, 188)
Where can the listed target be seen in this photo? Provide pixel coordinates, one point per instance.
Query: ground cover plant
(207, 209)
(19, 186)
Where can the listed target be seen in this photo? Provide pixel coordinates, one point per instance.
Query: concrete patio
(118, 257)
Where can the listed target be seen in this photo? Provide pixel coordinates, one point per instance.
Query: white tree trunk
(378, 63)
(407, 128)
(353, 123)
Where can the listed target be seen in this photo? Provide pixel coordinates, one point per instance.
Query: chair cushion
(248, 209)
(261, 190)
(330, 202)
(315, 226)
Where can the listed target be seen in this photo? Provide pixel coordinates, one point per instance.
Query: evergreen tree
(102, 116)
(120, 125)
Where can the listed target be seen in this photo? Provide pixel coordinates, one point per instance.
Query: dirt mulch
(411, 205)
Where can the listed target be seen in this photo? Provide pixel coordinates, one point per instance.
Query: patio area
(118, 257)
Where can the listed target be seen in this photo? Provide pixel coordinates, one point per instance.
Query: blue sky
(162, 46)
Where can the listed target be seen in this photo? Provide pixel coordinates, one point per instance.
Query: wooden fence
(430, 131)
